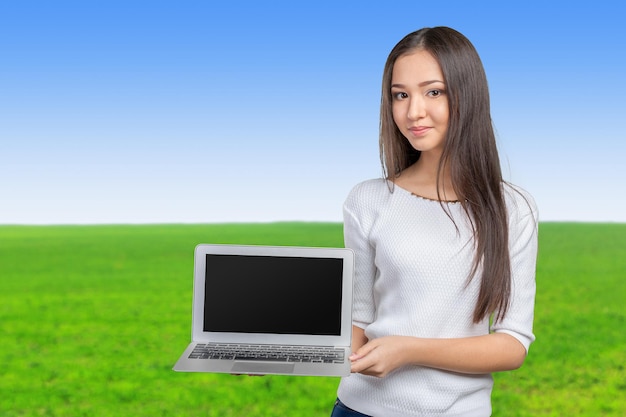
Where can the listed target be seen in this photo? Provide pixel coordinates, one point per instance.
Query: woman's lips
(419, 130)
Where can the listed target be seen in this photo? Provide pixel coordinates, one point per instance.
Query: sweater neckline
(434, 200)
(425, 198)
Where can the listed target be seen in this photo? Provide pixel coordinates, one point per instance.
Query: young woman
(445, 249)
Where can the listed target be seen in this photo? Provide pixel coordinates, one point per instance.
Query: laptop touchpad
(262, 368)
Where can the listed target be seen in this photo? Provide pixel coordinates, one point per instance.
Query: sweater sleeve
(523, 236)
(356, 238)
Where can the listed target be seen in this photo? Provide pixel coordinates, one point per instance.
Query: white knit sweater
(412, 266)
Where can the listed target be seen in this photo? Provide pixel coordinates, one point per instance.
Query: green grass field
(92, 318)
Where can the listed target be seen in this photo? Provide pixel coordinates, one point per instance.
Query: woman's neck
(421, 179)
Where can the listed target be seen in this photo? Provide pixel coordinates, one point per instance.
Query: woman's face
(419, 101)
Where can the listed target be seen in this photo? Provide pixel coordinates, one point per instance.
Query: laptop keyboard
(267, 353)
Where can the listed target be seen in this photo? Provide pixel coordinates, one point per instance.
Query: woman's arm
(480, 354)
(358, 338)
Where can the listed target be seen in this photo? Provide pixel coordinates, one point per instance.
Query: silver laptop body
(270, 310)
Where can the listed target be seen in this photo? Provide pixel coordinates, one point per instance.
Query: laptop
(270, 310)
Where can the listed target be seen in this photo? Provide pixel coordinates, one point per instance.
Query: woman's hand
(381, 356)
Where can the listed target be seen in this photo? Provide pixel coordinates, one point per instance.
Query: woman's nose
(416, 108)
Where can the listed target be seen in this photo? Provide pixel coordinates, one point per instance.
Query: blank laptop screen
(273, 294)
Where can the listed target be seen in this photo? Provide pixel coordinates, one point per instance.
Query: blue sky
(197, 111)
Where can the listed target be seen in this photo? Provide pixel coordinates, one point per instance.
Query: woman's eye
(435, 93)
(399, 96)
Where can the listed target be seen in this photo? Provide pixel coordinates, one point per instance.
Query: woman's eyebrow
(422, 84)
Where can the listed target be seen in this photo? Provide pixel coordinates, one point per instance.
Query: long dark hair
(470, 153)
